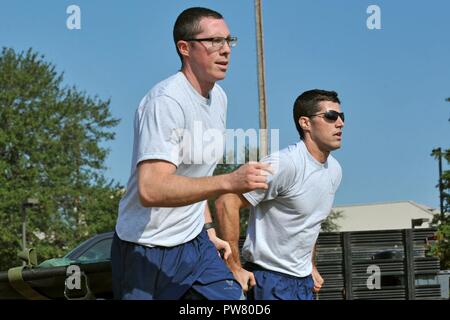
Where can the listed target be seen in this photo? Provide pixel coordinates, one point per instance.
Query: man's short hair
(307, 104)
(187, 25)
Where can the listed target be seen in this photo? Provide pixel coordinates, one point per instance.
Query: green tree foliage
(330, 224)
(442, 246)
(50, 149)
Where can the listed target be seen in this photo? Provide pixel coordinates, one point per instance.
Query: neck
(202, 87)
(315, 150)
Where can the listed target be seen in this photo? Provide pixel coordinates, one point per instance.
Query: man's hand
(219, 243)
(318, 280)
(245, 278)
(250, 176)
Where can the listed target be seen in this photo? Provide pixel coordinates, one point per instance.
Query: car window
(99, 251)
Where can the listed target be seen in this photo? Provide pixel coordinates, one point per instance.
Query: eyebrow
(214, 36)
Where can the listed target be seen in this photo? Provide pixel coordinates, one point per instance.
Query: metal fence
(391, 264)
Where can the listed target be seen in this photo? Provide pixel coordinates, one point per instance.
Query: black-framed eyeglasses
(330, 115)
(218, 42)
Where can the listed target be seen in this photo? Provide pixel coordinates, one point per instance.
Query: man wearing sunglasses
(164, 247)
(285, 219)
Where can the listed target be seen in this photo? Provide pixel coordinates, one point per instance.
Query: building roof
(382, 216)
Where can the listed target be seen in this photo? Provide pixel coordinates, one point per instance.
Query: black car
(49, 280)
(93, 250)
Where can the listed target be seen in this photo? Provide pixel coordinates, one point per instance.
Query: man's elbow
(226, 205)
(148, 198)
(220, 204)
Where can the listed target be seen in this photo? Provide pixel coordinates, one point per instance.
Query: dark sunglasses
(330, 115)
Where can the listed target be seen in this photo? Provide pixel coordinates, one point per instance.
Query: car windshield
(100, 251)
(67, 256)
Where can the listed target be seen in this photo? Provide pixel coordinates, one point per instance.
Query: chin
(335, 147)
(220, 75)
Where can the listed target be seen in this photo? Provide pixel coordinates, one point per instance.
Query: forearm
(208, 219)
(176, 191)
(227, 215)
(317, 278)
(207, 214)
(313, 256)
(160, 186)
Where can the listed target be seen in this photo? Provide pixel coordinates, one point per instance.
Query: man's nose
(226, 48)
(339, 123)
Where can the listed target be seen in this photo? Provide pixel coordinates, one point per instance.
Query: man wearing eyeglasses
(164, 246)
(285, 219)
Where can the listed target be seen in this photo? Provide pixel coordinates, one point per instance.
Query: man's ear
(183, 47)
(305, 123)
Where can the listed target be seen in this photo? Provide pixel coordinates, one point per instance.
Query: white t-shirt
(170, 124)
(285, 219)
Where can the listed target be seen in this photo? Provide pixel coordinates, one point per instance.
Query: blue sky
(392, 82)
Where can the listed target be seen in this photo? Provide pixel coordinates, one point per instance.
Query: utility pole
(30, 202)
(438, 152)
(263, 150)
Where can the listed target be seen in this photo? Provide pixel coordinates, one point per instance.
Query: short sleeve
(337, 176)
(160, 124)
(284, 172)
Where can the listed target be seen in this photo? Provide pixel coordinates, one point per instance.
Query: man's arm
(159, 186)
(313, 255)
(218, 243)
(227, 215)
(318, 280)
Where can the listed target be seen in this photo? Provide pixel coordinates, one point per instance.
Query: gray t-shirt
(172, 124)
(285, 220)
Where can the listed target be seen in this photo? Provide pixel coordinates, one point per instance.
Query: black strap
(209, 225)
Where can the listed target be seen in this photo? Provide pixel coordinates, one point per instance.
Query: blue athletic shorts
(168, 273)
(272, 285)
